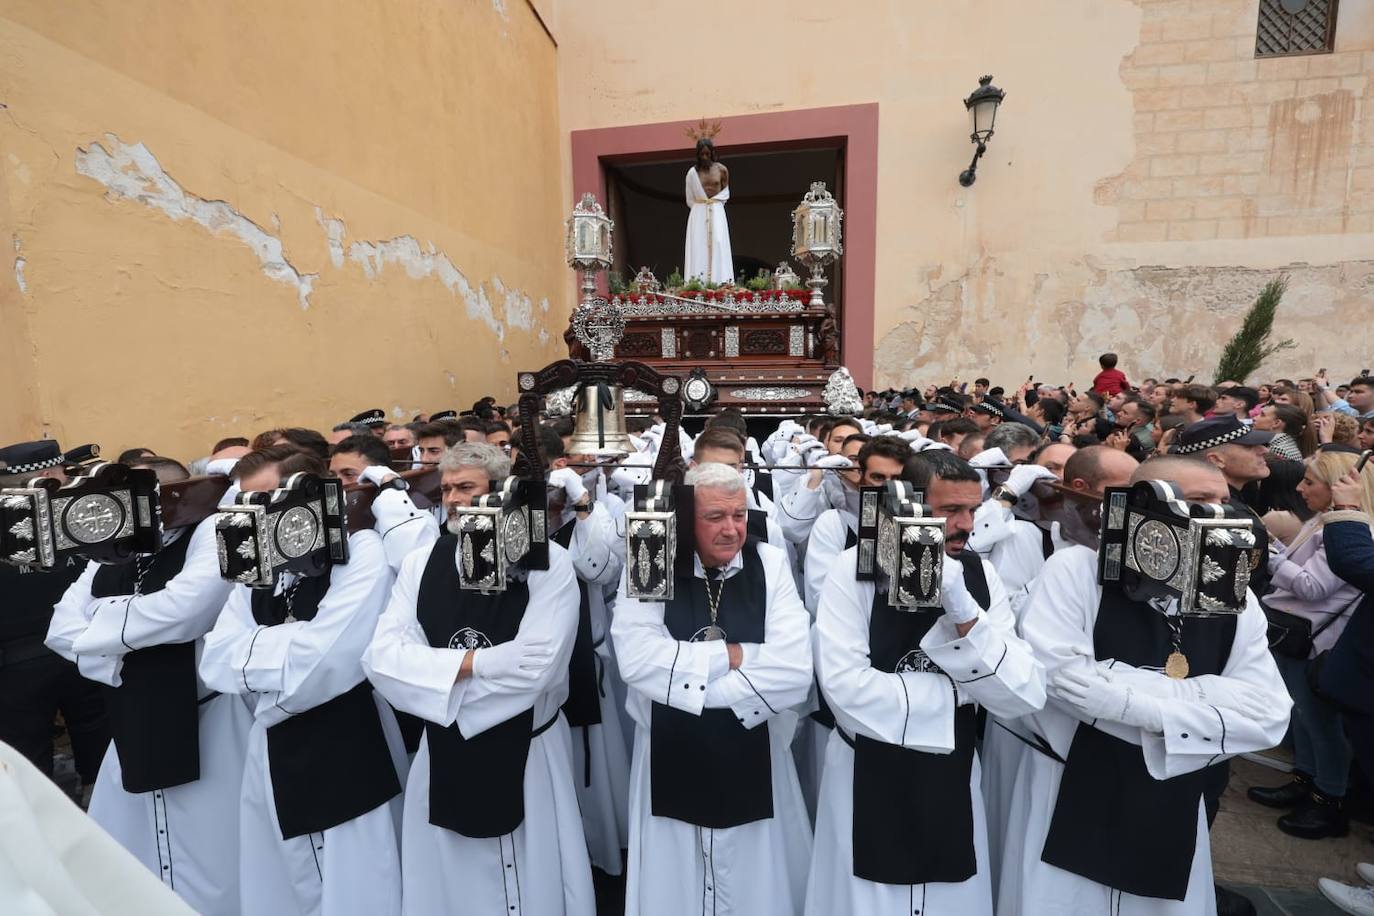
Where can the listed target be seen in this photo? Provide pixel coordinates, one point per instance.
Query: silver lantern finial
(597, 323)
(816, 236)
(589, 242)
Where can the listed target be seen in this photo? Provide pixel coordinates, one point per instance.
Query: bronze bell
(600, 429)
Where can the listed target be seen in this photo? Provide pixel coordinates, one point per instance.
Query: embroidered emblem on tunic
(468, 638)
(916, 661)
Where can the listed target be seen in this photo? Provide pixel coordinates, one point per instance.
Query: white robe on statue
(1058, 624)
(990, 665)
(187, 835)
(707, 256)
(755, 869)
(354, 867)
(540, 869)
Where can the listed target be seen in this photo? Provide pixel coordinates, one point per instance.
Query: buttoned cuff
(966, 659)
(1349, 515)
(103, 669)
(264, 663)
(101, 609)
(1193, 735)
(696, 665)
(753, 710)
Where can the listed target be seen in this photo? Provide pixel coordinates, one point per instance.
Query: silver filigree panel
(796, 340)
(668, 343)
(681, 305)
(731, 340)
(770, 393)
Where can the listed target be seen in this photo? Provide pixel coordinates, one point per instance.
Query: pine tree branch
(1251, 345)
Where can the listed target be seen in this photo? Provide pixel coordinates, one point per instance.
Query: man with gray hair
(488, 672)
(717, 819)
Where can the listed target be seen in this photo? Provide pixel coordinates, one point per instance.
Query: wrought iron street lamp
(982, 105)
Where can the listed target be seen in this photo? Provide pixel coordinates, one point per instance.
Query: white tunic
(1016, 549)
(1058, 625)
(187, 835)
(597, 557)
(353, 868)
(755, 869)
(823, 548)
(990, 665)
(541, 869)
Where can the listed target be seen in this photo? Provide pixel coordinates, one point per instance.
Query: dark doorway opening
(647, 201)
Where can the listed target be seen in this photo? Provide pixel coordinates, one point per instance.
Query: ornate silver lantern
(816, 236)
(589, 242)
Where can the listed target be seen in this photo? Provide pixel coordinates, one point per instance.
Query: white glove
(913, 438)
(867, 425)
(626, 479)
(959, 605)
(516, 660)
(1095, 697)
(376, 475)
(1155, 683)
(838, 462)
(221, 467)
(882, 429)
(787, 428)
(809, 448)
(1024, 476)
(1229, 693)
(655, 432)
(571, 483)
(990, 458)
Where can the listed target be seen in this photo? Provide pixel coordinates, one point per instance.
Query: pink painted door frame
(855, 126)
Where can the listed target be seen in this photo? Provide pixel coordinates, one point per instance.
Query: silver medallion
(295, 532)
(93, 518)
(1156, 550)
(711, 633)
(517, 536)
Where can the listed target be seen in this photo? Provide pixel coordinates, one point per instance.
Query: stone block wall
(1228, 146)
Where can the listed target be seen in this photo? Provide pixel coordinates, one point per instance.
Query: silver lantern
(817, 237)
(589, 242)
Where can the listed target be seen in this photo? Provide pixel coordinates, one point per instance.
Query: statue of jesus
(707, 256)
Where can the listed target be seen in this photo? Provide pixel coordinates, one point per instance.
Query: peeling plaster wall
(231, 216)
(1110, 211)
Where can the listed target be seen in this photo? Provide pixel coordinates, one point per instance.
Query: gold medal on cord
(1176, 665)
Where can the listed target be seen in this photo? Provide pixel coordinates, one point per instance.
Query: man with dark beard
(900, 825)
(489, 674)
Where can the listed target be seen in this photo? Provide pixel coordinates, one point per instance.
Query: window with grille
(1295, 27)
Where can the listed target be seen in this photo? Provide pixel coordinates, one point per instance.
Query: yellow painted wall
(1101, 218)
(230, 216)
